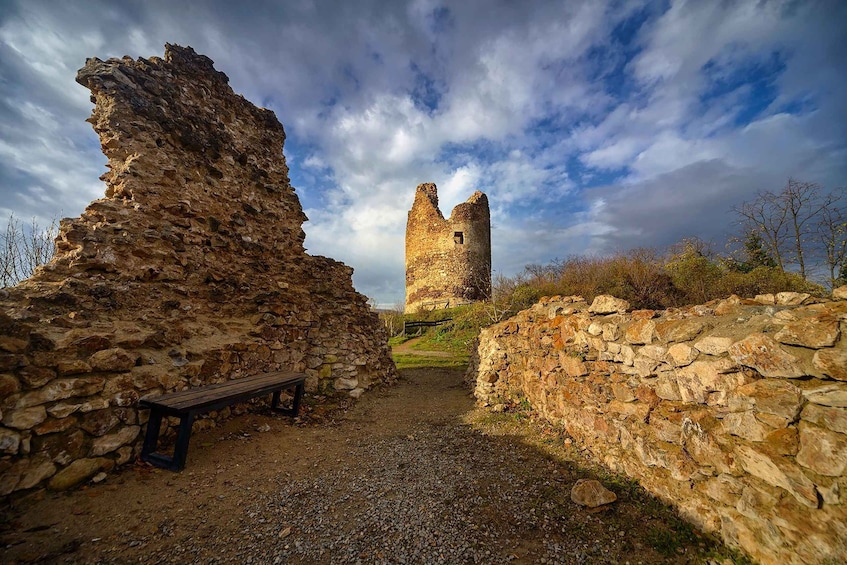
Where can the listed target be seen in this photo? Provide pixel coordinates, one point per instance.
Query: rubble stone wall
(190, 271)
(448, 261)
(734, 411)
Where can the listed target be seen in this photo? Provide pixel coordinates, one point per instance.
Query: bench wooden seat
(187, 404)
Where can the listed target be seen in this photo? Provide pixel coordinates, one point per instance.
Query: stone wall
(190, 271)
(448, 261)
(734, 411)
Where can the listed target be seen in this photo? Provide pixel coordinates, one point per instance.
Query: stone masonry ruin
(190, 271)
(448, 261)
(734, 411)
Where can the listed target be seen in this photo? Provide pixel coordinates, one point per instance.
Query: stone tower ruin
(448, 261)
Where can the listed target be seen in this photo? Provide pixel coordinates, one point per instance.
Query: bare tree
(832, 231)
(763, 216)
(789, 221)
(23, 248)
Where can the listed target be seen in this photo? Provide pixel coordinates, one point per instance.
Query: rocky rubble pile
(190, 271)
(735, 410)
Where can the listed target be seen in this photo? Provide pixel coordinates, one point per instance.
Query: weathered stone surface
(745, 424)
(77, 472)
(814, 332)
(605, 304)
(108, 443)
(792, 298)
(832, 363)
(591, 493)
(8, 385)
(678, 330)
(25, 418)
(60, 389)
(448, 261)
(780, 398)
(99, 422)
(834, 419)
(10, 441)
(778, 474)
(713, 345)
(700, 378)
(762, 353)
(640, 332)
(682, 354)
(840, 293)
(822, 451)
(34, 377)
(828, 395)
(346, 384)
(115, 359)
(39, 469)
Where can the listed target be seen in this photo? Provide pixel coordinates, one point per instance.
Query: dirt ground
(264, 489)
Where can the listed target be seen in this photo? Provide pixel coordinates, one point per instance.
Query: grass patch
(407, 361)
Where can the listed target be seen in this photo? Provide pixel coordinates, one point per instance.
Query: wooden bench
(187, 404)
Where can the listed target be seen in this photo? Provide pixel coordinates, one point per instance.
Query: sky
(593, 126)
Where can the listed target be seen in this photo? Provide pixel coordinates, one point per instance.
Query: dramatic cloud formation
(593, 126)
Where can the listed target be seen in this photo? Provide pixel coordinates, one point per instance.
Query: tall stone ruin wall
(190, 271)
(448, 261)
(734, 411)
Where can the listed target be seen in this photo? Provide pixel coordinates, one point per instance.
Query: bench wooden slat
(198, 398)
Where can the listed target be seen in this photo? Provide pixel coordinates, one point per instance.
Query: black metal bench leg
(298, 396)
(295, 402)
(182, 437)
(151, 439)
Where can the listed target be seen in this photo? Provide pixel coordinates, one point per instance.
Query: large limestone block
(777, 397)
(115, 359)
(111, 442)
(779, 474)
(834, 419)
(762, 353)
(823, 451)
(10, 441)
(77, 472)
(640, 332)
(744, 424)
(834, 395)
(832, 362)
(700, 378)
(682, 354)
(792, 298)
(671, 331)
(840, 293)
(25, 418)
(61, 389)
(814, 332)
(713, 345)
(606, 304)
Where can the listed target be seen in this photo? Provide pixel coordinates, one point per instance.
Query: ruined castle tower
(448, 261)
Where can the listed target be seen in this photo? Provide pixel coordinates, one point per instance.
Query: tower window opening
(459, 237)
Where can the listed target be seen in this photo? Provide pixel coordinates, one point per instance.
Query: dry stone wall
(734, 411)
(448, 261)
(190, 271)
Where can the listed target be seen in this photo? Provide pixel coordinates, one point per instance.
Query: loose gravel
(413, 474)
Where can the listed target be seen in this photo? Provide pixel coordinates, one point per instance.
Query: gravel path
(411, 474)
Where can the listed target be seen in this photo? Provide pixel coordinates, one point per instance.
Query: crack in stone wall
(191, 270)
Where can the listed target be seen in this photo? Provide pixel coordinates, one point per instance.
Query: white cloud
(525, 101)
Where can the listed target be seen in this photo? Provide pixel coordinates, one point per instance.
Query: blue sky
(593, 126)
